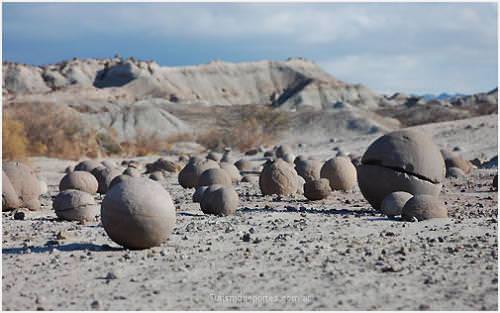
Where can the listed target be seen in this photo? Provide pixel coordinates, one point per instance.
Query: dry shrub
(250, 127)
(146, 144)
(52, 131)
(14, 141)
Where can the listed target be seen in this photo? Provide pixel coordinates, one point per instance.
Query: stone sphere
(198, 193)
(214, 176)
(283, 150)
(231, 170)
(454, 172)
(454, 159)
(404, 160)
(423, 207)
(104, 176)
(75, 205)
(132, 172)
(25, 184)
(219, 200)
(69, 169)
(340, 172)
(158, 176)
(118, 179)
(308, 169)
(87, 165)
(393, 203)
(214, 156)
(244, 165)
(279, 178)
(317, 189)
(190, 174)
(10, 199)
(138, 213)
(79, 180)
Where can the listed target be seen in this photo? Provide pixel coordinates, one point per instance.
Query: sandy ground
(274, 253)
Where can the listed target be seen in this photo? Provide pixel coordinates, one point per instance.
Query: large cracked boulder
(403, 160)
(25, 183)
(138, 213)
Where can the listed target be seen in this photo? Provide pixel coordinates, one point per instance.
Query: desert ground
(275, 252)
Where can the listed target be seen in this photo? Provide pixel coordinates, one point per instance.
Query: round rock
(231, 170)
(190, 174)
(214, 176)
(10, 199)
(219, 200)
(454, 172)
(340, 172)
(75, 205)
(393, 203)
(198, 193)
(404, 160)
(87, 165)
(138, 213)
(279, 178)
(308, 169)
(25, 183)
(317, 189)
(423, 207)
(79, 180)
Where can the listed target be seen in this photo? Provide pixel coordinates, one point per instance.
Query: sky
(389, 47)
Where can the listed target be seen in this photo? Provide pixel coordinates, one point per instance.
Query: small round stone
(190, 174)
(25, 183)
(424, 207)
(87, 165)
(80, 180)
(220, 201)
(340, 172)
(454, 172)
(393, 203)
(198, 193)
(75, 205)
(231, 170)
(278, 177)
(317, 189)
(214, 176)
(308, 169)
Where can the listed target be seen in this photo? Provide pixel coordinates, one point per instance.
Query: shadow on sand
(290, 209)
(64, 248)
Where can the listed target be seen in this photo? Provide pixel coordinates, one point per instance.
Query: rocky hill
(291, 84)
(132, 96)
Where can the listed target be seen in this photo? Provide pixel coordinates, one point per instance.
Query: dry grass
(50, 130)
(247, 128)
(14, 141)
(144, 144)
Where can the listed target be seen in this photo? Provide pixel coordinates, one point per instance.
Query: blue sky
(406, 47)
